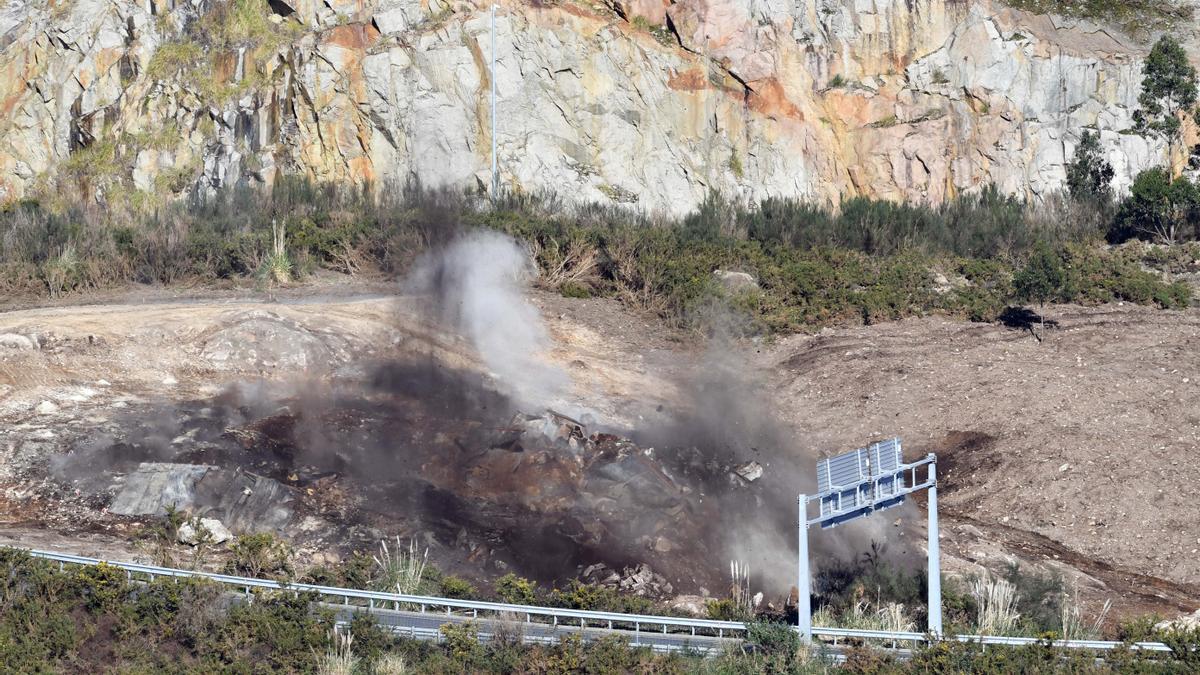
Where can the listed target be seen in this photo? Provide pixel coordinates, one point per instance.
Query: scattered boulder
(1186, 622)
(15, 341)
(46, 408)
(208, 530)
(246, 501)
(257, 340)
(943, 284)
(695, 605)
(735, 281)
(750, 471)
(640, 580)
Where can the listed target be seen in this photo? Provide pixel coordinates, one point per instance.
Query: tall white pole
(935, 558)
(803, 606)
(495, 175)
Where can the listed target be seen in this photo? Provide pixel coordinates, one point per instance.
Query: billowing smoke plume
(476, 286)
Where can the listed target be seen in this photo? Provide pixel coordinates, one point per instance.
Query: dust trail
(476, 285)
(730, 417)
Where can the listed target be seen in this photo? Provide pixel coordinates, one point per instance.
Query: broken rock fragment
(203, 530)
(750, 471)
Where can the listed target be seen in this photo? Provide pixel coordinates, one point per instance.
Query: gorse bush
(516, 590)
(869, 261)
(94, 619)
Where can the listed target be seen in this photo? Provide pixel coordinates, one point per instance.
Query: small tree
(1158, 208)
(1168, 95)
(1041, 279)
(1089, 174)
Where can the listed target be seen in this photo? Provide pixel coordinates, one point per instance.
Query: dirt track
(1077, 453)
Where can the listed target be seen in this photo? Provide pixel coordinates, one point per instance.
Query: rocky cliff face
(641, 102)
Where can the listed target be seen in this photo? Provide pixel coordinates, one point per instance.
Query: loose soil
(1075, 454)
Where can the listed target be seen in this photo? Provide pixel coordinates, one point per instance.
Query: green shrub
(462, 642)
(1159, 208)
(869, 261)
(258, 555)
(1043, 277)
(1039, 599)
(90, 621)
(578, 595)
(454, 587)
(574, 289)
(724, 609)
(516, 590)
(774, 638)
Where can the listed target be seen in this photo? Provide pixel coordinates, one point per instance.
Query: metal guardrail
(633, 623)
(383, 600)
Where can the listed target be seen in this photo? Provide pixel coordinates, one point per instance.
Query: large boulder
(16, 341)
(259, 340)
(245, 501)
(1187, 622)
(203, 530)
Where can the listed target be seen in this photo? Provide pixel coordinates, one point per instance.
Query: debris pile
(639, 580)
(488, 488)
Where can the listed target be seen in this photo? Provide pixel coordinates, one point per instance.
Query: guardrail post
(637, 633)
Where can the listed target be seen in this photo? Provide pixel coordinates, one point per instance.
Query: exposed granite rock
(740, 97)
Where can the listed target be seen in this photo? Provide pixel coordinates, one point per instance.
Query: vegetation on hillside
(88, 619)
(869, 261)
(1134, 16)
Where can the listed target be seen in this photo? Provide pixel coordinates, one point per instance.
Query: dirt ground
(1079, 450)
(1076, 453)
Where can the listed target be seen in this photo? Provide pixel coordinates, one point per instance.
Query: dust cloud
(729, 417)
(476, 286)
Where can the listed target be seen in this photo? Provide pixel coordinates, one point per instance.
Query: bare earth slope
(1076, 453)
(1087, 440)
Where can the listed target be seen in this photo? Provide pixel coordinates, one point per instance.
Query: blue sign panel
(860, 482)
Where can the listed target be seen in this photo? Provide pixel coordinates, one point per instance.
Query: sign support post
(803, 592)
(935, 557)
(857, 484)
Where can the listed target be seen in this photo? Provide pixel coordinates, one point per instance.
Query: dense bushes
(92, 619)
(1158, 208)
(870, 261)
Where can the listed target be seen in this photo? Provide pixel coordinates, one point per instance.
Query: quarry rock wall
(639, 103)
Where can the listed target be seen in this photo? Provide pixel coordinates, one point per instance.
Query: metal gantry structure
(855, 485)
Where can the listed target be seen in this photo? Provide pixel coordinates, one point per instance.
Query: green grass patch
(1134, 16)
